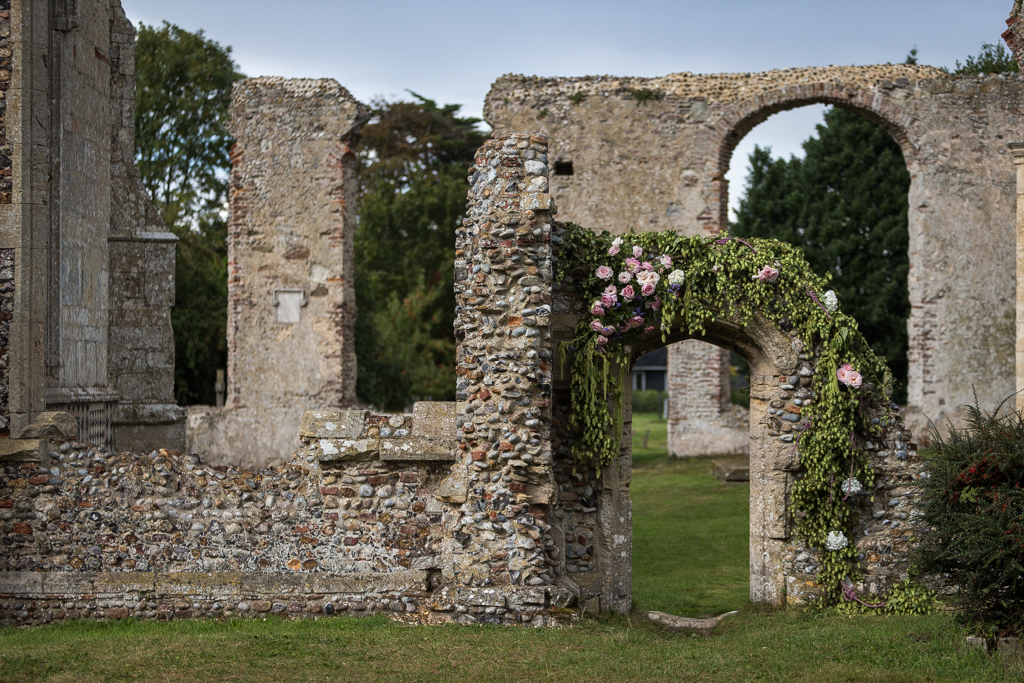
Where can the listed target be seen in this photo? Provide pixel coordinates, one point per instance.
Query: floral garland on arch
(636, 288)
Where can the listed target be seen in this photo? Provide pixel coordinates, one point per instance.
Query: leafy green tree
(992, 59)
(845, 203)
(413, 160)
(182, 91)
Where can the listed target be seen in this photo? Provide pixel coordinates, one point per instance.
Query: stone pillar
(1017, 148)
(701, 418)
(291, 297)
(503, 363)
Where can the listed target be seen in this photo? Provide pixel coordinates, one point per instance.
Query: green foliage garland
(724, 278)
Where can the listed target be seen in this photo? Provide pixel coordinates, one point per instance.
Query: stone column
(503, 396)
(1017, 148)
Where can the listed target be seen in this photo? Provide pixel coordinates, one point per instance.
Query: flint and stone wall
(470, 513)
(93, 265)
(291, 302)
(652, 153)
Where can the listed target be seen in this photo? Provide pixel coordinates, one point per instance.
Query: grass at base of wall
(796, 645)
(690, 531)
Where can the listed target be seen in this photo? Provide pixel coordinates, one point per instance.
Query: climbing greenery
(641, 291)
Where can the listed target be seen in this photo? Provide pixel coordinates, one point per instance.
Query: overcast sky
(452, 51)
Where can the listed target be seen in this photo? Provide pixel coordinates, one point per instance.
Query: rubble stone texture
(652, 153)
(473, 512)
(291, 302)
(93, 265)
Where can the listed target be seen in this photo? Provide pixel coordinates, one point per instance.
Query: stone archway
(656, 163)
(513, 403)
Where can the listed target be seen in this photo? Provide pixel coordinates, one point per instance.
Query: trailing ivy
(691, 281)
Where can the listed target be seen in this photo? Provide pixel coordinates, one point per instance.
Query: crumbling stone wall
(6, 309)
(1014, 34)
(472, 512)
(5, 84)
(652, 153)
(291, 302)
(90, 329)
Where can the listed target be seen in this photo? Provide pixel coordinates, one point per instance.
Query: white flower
(836, 540)
(676, 277)
(647, 277)
(851, 486)
(831, 301)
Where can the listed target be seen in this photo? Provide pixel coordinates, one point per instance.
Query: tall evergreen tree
(182, 90)
(413, 159)
(845, 204)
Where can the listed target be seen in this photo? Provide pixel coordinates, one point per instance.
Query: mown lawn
(690, 558)
(690, 531)
(754, 646)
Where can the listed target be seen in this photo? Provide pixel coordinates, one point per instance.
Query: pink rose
(625, 277)
(846, 375)
(627, 293)
(596, 325)
(617, 242)
(607, 300)
(632, 264)
(666, 261)
(604, 272)
(855, 379)
(597, 310)
(647, 289)
(646, 265)
(636, 320)
(637, 252)
(653, 305)
(610, 289)
(649, 328)
(768, 274)
(613, 250)
(843, 373)
(602, 340)
(608, 330)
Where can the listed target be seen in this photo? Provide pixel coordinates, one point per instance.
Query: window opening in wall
(563, 168)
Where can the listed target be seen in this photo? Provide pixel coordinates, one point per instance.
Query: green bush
(973, 507)
(648, 401)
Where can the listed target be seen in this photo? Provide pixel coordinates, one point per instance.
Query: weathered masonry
(472, 512)
(291, 303)
(86, 265)
(652, 153)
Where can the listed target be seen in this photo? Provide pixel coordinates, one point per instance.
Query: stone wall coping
(201, 584)
(410, 448)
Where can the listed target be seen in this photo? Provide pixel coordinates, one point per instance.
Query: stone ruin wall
(469, 513)
(652, 154)
(291, 297)
(88, 318)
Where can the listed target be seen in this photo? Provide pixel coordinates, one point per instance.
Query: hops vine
(640, 288)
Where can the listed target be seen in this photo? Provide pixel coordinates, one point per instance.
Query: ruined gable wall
(652, 153)
(291, 302)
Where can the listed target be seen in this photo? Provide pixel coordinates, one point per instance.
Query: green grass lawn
(690, 558)
(690, 531)
(762, 646)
